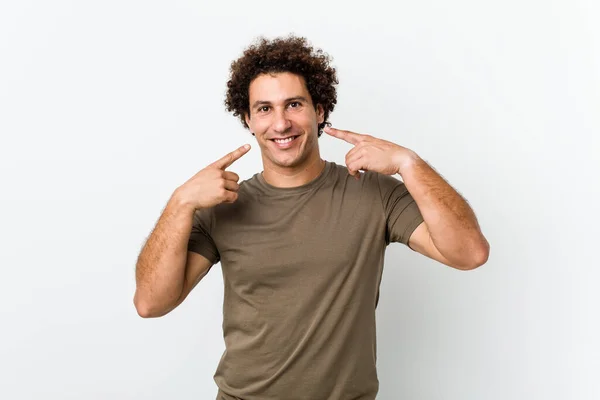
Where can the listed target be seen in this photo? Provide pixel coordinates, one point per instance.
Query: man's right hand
(213, 185)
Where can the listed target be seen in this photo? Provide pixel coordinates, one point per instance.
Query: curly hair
(290, 54)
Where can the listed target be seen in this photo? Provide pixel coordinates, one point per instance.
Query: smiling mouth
(286, 140)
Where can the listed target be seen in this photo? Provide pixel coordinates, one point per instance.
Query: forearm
(160, 269)
(452, 224)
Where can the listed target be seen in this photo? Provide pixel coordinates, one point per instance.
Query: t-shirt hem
(203, 251)
(414, 224)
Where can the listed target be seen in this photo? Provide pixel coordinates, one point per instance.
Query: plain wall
(106, 107)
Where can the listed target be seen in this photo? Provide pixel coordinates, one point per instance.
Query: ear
(320, 114)
(247, 118)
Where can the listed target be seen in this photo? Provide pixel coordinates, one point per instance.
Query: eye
(295, 104)
(263, 109)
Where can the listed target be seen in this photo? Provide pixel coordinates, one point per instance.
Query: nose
(281, 122)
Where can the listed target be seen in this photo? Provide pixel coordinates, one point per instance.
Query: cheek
(305, 122)
(259, 126)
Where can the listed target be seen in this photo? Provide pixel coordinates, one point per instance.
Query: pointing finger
(350, 137)
(231, 157)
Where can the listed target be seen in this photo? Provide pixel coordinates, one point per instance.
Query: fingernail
(246, 146)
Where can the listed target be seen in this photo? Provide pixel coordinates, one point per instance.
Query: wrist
(179, 202)
(406, 161)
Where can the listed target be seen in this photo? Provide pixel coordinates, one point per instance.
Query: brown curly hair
(290, 54)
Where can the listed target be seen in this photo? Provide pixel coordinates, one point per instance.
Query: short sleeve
(200, 240)
(401, 211)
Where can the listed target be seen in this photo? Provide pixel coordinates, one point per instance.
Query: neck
(293, 176)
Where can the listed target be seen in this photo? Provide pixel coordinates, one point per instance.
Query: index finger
(226, 161)
(347, 136)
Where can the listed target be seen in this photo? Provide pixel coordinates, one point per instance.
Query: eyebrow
(263, 102)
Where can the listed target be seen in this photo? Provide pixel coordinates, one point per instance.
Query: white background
(106, 107)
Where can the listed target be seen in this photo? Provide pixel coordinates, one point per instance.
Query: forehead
(277, 87)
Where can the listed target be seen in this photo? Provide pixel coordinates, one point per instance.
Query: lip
(287, 144)
(282, 138)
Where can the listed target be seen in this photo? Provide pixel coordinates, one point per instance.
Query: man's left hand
(373, 154)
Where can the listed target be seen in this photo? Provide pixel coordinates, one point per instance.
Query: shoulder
(386, 184)
(379, 187)
(248, 192)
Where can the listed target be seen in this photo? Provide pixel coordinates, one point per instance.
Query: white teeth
(284, 140)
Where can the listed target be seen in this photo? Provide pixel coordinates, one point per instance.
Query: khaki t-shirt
(301, 268)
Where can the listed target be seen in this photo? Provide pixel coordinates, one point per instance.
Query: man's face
(281, 108)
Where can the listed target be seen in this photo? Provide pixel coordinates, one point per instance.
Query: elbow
(144, 310)
(478, 257)
(147, 309)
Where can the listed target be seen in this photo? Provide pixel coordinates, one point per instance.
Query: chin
(288, 162)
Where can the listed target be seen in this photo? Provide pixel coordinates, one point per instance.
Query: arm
(450, 233)
(165, 271)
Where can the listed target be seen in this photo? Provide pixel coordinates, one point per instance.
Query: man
(302, 243)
